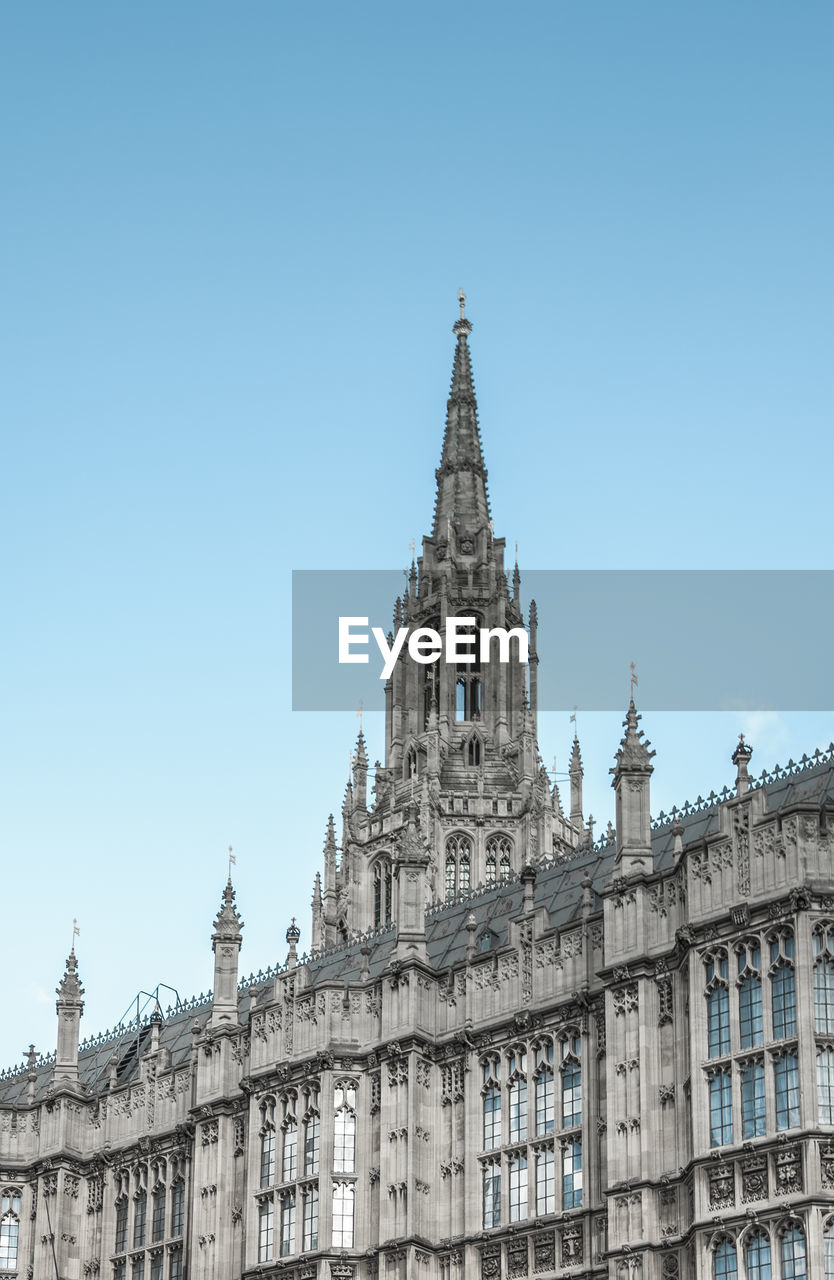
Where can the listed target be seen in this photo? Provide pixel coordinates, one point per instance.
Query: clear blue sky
(232, 240)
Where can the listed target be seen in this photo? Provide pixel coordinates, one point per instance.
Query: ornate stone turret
(360, 773)
(69, 1007)
(741, 759)
(411, 867)
(631, 783)
(225, 943)
(576, 774)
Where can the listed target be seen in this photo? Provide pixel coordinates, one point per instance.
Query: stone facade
(512, 1052)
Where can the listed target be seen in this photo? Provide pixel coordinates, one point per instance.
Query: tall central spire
(461, 501)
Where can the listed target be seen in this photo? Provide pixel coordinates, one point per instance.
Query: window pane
(544, 1101)
(572, 1175)
(752, 1100)
(343, 1215)
(139, 1220)
(824, 994)
(571, 1094)
(721, 1109)
(825, 1085)
(268, 1158)
(9, 1228)
(750, 1011)
(265, 1231)
(492, 1196)
(287, 1224)
(786, 1074)
(289, 1168)
(311, 1218)
(718, 1021)
(518, 1110)
(492, 1118)
(793, 1255)
(757, 1256)
(784, 1002)
(545, 1182)
(518, 1188)
(726, 1264)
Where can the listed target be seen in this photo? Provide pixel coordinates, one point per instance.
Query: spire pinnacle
(227, 924)
(461, 503)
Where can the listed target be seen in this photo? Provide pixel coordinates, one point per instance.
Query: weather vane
(462, 301)
(232, 859)
(359, 713)
(634, 681)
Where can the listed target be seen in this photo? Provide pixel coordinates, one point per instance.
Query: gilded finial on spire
(76, 932)
(462, 301)
(634, 682)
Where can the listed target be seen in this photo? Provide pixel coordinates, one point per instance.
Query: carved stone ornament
(544, 1251)
(754, 1179)
(722, 1194)
(491, 1262)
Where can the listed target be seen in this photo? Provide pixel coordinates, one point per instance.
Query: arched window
(824, 978)
(383, 891)
(468, 680)
(344, 1140)
(828, 1240)
(266, 1228)
(9, 1228)
(140, 1218)
(499, 848)
(752, 1100)
(517, 1094)
(786, 1080)
(178, 1208)
(458, 865)
(311, 1218)
(572, 1175)
(757, 1256)
(312, 1135)
(544, 1088)
(472, 750)
(571, 1082)
(267, 1155)
(750, 995)
(343, 1196)
(287, 1223)
(718, 1003)
(410, 764)
(794, 1264)
(720, 1108)
(782, 983)
(518, 1187)
(158, 1213)
(545, 1181)
(491, 1095)
(121, 1224)
(492, 1194)
(289, 1159)
(725, 1266)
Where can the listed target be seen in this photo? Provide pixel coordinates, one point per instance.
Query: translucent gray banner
(702, 640)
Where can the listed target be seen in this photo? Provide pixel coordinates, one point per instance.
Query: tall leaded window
(518, 1188)
(498, 850)
(751, 1029)
(343, 1199)
(344, 1140)
(545, 1181)
(312, 1139)
(757, 1257)
(794, 1263)
(517, 1094)
(492, 1194)
(571, 1082)
(9, 1229)
(120, 1243)
(137, 1270)
(544, 1088)
(718, 1003)
(266, 1229)
(726, 1262)
(289, 1157)
(267, 1132)
(311, 1218)
(458, 865)
(720, 1108)
(825, 1083)
(119, 1271)
(786, 1080)
(287, 1224)
(178, 1208)
(157, 1264)
(491, 1094)
(383, 891)
(176, 1265)
(783, 983)
(468, 682)
(752, 1100)
(824, 978)
(140, 1218)
(158, 1213)
(572, 1175)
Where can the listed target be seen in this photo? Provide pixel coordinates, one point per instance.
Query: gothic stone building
(513, 1051)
